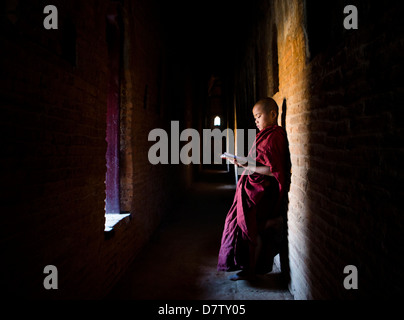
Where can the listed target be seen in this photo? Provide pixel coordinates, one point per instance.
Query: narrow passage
(180, 261)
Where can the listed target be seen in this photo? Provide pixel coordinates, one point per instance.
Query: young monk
(251, 235)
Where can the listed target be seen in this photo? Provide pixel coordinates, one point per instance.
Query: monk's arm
(264, 170)
(260, 169)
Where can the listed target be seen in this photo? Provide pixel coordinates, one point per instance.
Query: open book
(230, 156)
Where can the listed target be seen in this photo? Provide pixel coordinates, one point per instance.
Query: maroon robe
(257, 199)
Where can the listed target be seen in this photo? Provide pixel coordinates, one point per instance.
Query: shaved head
(268, 105)
(265, 113)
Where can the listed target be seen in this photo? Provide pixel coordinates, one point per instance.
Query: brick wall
(53, 148)
(346, 138)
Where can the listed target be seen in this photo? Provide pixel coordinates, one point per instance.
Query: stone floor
(179, 263)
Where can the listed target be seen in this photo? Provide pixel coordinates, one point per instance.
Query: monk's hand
(240, 165)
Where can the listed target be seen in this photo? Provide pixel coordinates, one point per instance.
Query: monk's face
(263, 118)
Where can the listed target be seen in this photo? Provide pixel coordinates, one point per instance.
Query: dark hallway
(111, 179)
(180, 261)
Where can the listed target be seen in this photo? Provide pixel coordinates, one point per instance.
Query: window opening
(217, 121)
(112, 203)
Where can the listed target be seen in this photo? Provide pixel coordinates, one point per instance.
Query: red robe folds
(257, 199)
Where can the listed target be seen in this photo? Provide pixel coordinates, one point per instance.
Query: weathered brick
(55, 169)
(340, 107)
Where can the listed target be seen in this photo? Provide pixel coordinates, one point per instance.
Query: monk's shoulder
(278, 133)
